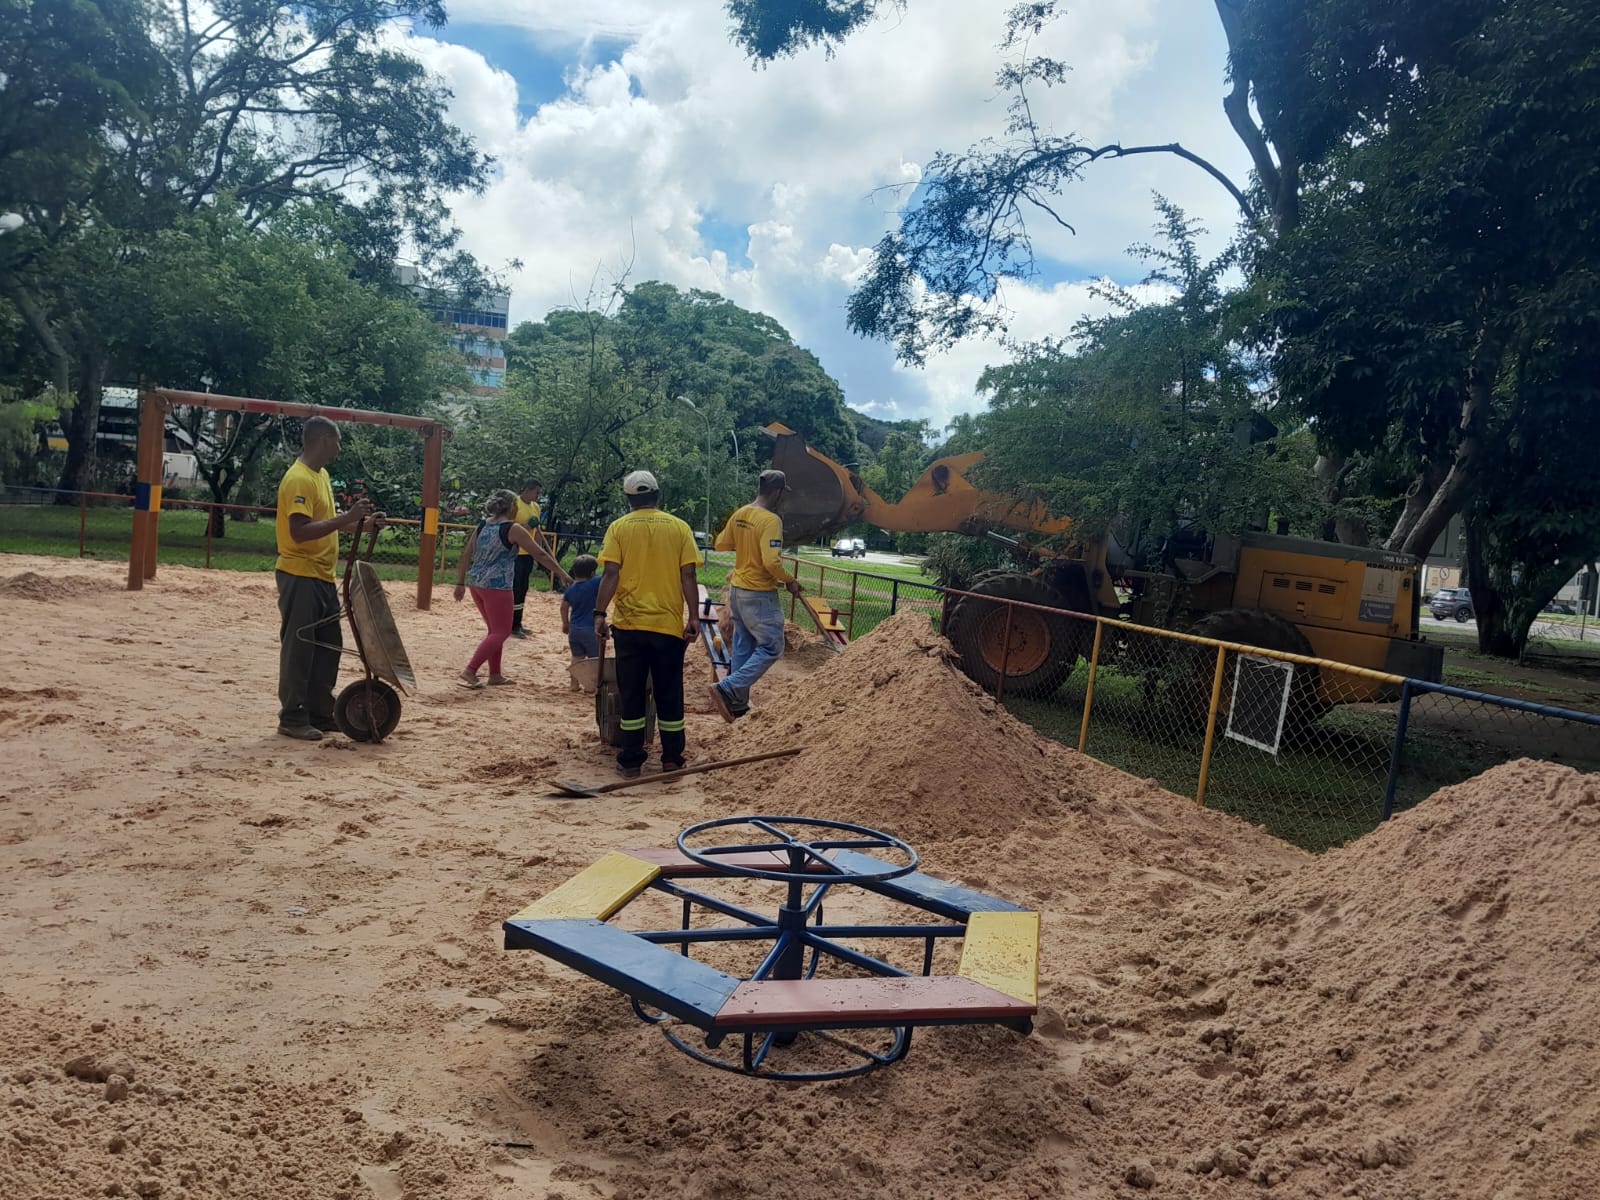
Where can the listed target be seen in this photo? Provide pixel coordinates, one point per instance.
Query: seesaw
(808, 985)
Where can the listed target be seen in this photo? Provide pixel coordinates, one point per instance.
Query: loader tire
(1251, 627)
(1042, 650)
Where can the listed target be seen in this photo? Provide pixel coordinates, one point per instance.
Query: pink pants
(495, 606)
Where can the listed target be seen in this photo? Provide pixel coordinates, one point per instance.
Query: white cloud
(634, 161)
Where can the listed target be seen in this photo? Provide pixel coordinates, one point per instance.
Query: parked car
(850, 548)
(1451, 602)
(1563, 607)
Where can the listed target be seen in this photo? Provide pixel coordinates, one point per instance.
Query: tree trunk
(83, 430)
(1489, 606)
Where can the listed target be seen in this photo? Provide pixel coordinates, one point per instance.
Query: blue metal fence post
(1399, 748)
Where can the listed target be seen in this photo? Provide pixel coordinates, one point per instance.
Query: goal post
(156, 403)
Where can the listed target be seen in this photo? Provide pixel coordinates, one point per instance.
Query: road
(1569, 628)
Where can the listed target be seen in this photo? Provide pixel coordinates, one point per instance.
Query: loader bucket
(823, 497)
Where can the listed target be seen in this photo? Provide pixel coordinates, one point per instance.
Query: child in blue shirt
(577, 609)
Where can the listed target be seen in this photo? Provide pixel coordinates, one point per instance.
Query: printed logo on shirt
(776, 542)
(300, 500)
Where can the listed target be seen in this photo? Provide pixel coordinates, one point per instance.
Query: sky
(634, 141)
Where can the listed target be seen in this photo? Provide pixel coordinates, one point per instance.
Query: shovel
(565, 787)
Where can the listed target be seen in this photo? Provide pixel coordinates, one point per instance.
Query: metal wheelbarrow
(369, 709)
(608, 702)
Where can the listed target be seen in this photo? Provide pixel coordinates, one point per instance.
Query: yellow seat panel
(1001, 950)
(597, 891)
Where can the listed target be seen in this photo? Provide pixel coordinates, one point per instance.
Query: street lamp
(706, 417)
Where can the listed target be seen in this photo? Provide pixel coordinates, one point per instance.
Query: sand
(295, 951)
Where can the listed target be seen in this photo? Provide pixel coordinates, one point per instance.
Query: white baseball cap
(637, 483)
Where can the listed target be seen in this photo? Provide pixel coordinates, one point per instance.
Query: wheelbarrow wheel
(365, 719)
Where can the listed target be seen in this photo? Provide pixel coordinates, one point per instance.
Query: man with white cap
(649, 560)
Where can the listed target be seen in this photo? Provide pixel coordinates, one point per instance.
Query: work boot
(303, 733)
(727, 707)
(326, 725)
(519, 633)
(627, 772)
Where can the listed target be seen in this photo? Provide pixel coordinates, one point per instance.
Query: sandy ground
(237, 965)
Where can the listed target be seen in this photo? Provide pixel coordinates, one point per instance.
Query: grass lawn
(908, 571)
(1322, 791)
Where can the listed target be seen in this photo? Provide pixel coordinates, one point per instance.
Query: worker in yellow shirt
(755, 535)
(308, 601)
(526, 514)
(649, 562)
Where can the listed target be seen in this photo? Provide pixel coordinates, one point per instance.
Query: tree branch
(1118, 151)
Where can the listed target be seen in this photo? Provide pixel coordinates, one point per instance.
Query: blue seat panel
(936, 895)
(651, 974)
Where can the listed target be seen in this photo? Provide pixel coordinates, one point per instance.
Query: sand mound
(29, 585)
(805, 645)
(1413, 1016)
(99, 1110)
(896, 737)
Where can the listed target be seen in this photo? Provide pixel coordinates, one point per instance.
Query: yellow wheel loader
(1321, 599)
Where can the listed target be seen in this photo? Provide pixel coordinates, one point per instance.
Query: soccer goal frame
(156, 403)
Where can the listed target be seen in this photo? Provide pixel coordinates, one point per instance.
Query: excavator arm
(824, 497)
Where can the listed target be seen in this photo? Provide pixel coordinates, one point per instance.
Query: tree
(593, 394)
(251, 109)
(274, 312)
(1439, 303)
(1418, 223)
(1153, 419)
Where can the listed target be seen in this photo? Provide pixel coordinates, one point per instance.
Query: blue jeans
(757, 639)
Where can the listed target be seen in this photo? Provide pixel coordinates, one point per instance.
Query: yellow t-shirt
(526, 514)
(755, 535)
(309, 493)
(650, 548)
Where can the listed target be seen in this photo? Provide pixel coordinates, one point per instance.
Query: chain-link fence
(1450, 734)
(1316, 752)
(243, 537)
(859, 600)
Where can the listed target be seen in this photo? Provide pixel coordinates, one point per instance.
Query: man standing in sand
(649, 558)
(755, 535)
(308, 601)
(527, 514)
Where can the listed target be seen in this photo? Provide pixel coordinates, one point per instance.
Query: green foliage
(956, 560)
(1439, 302)
(142, 118)
(20, 418)
(1420, 235)
(1149, 419)
(766, 30)
(592, 395)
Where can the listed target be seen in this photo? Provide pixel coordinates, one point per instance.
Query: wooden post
(158, 444)
(432, 466)
(146, 491)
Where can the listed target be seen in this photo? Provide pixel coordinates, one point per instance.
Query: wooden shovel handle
(695, 770)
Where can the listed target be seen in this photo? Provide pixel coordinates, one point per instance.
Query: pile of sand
(1411, 1017)
(30, 585)
(94, 1109)
(897, 737)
